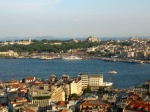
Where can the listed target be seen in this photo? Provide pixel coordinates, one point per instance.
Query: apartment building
(58, 93)
(76, 87)
(85, 80)
(95, 81)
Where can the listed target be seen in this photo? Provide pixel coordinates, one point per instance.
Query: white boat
(107, 83)
(46, 58)
(109, 59)
(71, 58)
(112, 72)
(138, 61)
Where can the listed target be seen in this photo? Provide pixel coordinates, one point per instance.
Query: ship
(107, 83)
(71, 58)
(45, 58)
(112, 72)
(109, 59)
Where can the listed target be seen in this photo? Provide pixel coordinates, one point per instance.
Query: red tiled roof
(140, 105)
(64, 110)
(148, 108)
(61, 103)
(21, 85)
(29, 78)
(18, 98)
(94, 103)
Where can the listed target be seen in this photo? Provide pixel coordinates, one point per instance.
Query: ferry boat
(133, 61)
(45, 58)
(71, 58)
(107, 83)
(112, 72)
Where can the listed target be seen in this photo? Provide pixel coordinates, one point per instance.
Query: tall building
(94, 81)
(76, 87)
(85, 80)
(58, 93)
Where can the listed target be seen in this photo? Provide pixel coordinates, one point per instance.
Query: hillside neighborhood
(83, 93)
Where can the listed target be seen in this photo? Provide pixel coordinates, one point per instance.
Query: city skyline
(74, 18)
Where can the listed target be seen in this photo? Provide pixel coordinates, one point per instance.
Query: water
(128, 74)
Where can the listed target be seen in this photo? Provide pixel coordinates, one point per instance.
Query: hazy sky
(74, 18)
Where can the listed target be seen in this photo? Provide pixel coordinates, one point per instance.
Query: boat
(107, 83)
(109, 59)
(71, 58)
(112, 72)
(138, 61)
(45, 58)
(133, 61)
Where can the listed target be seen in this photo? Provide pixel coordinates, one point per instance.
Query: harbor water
(128, 74)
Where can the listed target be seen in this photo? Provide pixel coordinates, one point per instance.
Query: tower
(29, 39)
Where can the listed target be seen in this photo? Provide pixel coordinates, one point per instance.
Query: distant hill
(25, 38)
(40, 38)
(57, 38)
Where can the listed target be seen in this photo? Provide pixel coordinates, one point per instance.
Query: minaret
(29, 39)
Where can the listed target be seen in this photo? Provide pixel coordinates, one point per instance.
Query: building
(91, 49)
(65, 77)
(95, 81)
(92, 39)
(76, 87)
(85, 80)
(137, 107)
(94, 106)
(9, 53)
(58, 93)
(39, 96)
(52, 78)
(66, 90)
(28, 79)
(130, 54)
(23, 42)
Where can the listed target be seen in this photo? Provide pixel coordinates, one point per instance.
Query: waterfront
(128, 74)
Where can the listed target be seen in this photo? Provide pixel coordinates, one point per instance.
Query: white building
(91, 49)
(94, 81)
(76, 87)
(9, 53)
(23, 42)
(85, 80)
(92, 39)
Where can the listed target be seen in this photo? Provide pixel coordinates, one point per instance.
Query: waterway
(128, 74)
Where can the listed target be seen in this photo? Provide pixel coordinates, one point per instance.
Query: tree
(101, 90)
(74, 95)
(87, 90)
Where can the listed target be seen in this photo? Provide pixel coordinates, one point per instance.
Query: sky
(74, 18)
